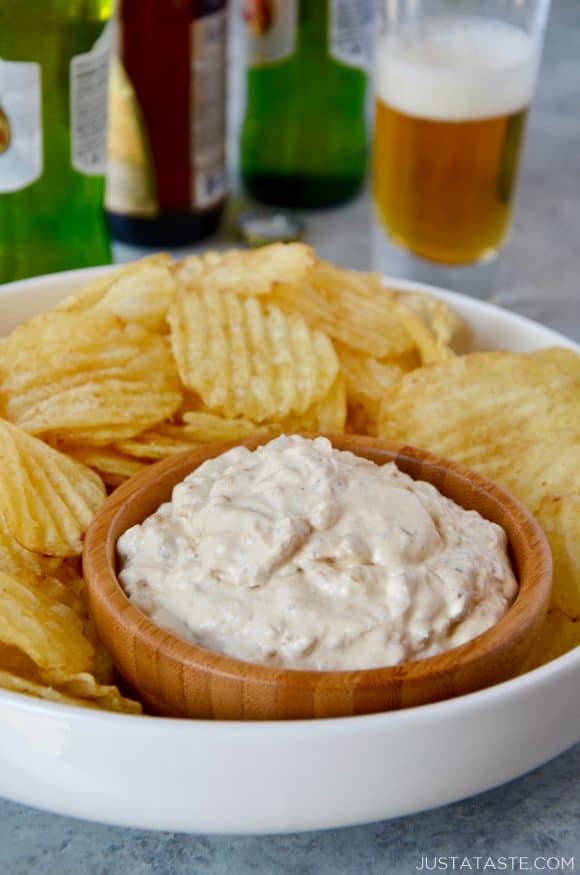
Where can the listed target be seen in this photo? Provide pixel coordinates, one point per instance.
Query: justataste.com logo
(496, 864)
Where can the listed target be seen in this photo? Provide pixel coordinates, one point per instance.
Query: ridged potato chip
(103, 668)
(327, 415)
(559, 517)
(143, 297)
(564, 359)
(14, 558)
(201, 427)
(198, 427)
(557, 635)
(48, 645)
(443, 323)
(16, 684)
(247, 358)
(420, 325)
(47, 500)
(86, 377)
(138, 292)
(91, 694)
(367, 378)
(358, 420)
(205, 427)
(507, 415)
(157, 443)
(247, 272)
(74, 594)
(85, 688)
(108, 462)
(35, 619)
(349, 306)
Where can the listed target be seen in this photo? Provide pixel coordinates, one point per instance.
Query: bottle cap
(260, 227)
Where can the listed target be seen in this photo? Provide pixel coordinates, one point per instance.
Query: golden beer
(451, 106)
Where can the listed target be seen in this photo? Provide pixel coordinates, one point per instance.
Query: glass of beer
(454, 80)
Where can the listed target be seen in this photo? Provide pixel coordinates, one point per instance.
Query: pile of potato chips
(156, 358)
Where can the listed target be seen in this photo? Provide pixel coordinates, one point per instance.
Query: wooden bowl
(176, 678)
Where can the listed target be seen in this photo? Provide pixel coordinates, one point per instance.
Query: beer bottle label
(350, 32)
(20, 125)
(179, 163)
(208, 97)
(270, 27)
(130, 182)
(88, 107)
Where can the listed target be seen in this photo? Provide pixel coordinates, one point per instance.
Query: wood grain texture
(176, 678)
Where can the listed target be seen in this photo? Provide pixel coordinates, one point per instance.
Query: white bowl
(203, 776)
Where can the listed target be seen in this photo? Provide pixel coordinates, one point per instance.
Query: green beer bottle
(304, 137)
(53, 88)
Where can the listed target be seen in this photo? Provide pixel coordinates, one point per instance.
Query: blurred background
(295, 82)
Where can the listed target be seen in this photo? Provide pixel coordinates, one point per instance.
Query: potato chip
(15, 661)
(103, 669)
(247, 358)
(328, 415)
(90, 293)
(431, 348)
(14, 558)
(85, 687)
(557, 635)
(367, 378)
(139, 292)
(358, 420)
(349, 306)
(103, 697)
(144, 297)
(201, 426)
(566, 360)
(44, 643)
(509, 416)
(35, 620)
(559, 517)
(16, 684)
(247, 272)
(206, 427)
(46, 499)
(74, 593)
(86, 377)
(157, 443)
(198, 427)
(443, 323)
(104, 460)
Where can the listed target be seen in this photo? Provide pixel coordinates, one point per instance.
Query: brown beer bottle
(166, 175)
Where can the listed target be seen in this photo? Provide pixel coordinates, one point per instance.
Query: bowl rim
(530, 601)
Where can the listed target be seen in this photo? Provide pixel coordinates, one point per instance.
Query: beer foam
(456, 69)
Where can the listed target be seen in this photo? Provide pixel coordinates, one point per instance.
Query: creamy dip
(300, 555)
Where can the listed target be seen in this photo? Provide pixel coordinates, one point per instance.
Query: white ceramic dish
(200, 776)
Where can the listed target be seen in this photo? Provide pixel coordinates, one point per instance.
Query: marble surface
(535, 816)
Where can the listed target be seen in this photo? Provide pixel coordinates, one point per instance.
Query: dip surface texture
(303, 556)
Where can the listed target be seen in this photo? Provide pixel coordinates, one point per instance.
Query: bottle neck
(313, 18)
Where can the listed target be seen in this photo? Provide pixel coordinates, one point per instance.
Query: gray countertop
(537, 815)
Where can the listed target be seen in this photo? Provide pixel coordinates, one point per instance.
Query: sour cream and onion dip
(300, 555)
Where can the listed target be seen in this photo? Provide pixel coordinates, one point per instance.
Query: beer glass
(454, 81)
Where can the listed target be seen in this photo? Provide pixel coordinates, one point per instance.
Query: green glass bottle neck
(313, 18)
